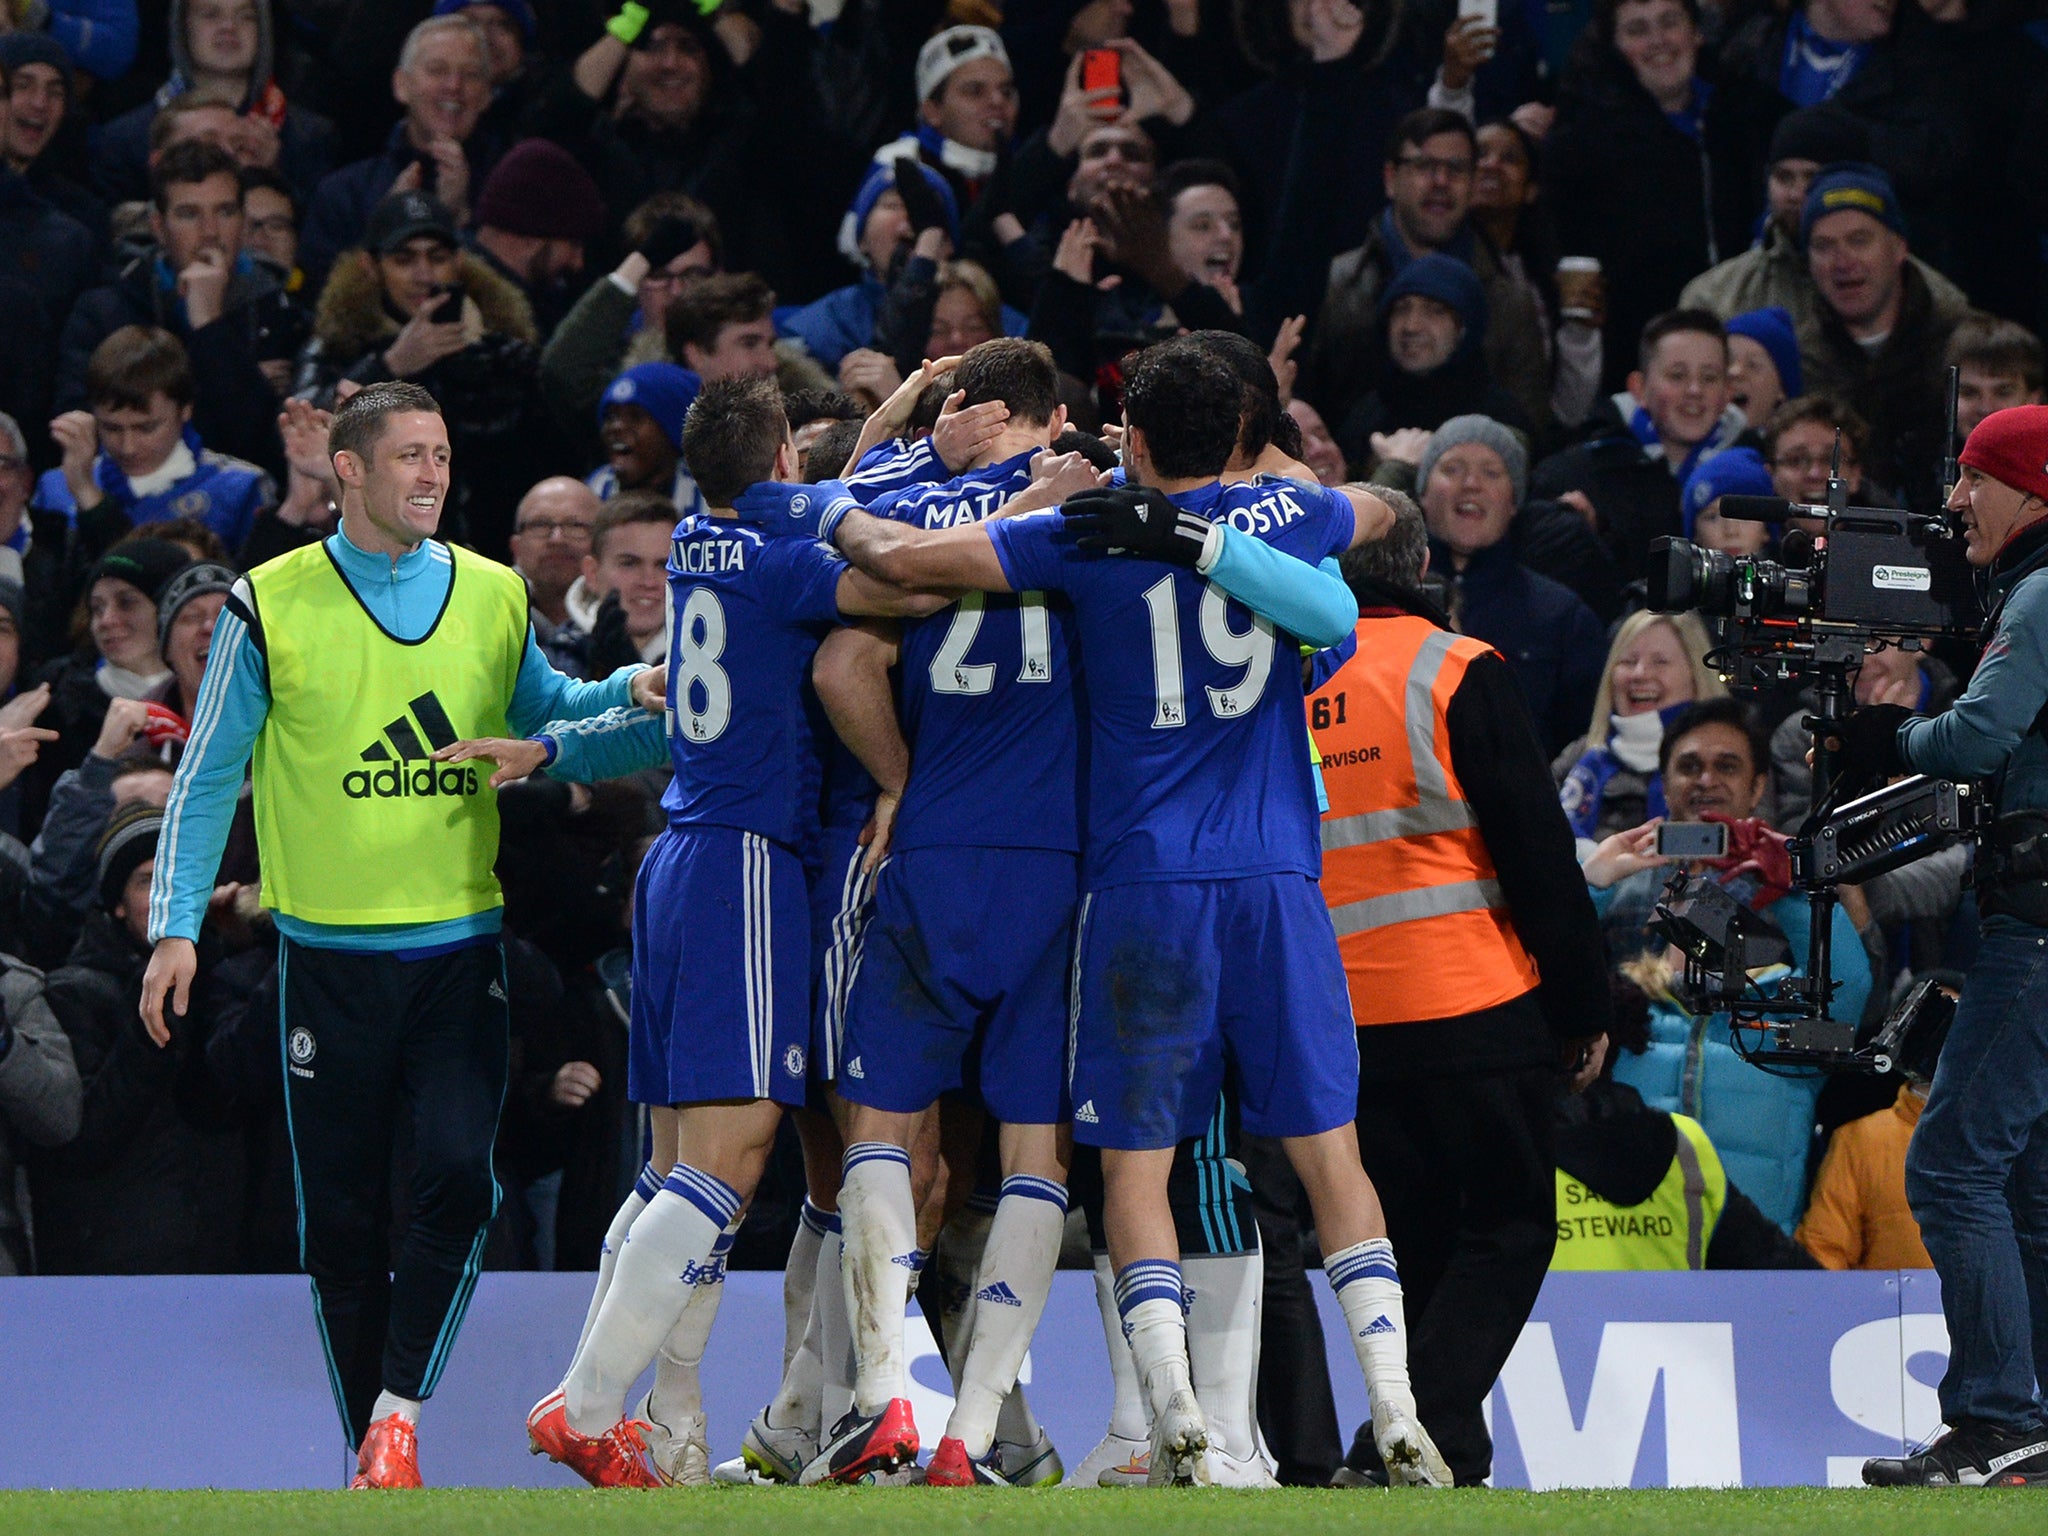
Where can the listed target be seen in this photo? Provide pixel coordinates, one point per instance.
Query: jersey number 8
(694, 669)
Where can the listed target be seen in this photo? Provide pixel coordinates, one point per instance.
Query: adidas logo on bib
(1086, 1115)
(413, 772)
(999, 1293)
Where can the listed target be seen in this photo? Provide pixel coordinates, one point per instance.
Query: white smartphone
(1486, 10)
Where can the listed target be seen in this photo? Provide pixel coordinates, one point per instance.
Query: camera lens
(1683, 576)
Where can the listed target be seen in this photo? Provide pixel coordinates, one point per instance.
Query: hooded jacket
(497, 426)
(305, 150)
(41, 246)
(39, 1097)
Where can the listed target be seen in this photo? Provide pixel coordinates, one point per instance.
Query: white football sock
(389, 1402)
(799, 1280)
(669, 1247)
(1129, 1413)
(1151, 1301)
(1223, 1345)
(644, 1189)
(880, 1225)
(678, 1392)
(955, 1261)
(1368, 1287)
(1015, 1277)
(835, 1332)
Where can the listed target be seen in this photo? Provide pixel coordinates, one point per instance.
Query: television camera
(1848, 578)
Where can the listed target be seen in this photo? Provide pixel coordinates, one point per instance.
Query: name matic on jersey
(971, 508)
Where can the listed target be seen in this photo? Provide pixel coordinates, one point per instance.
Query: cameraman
(1977, 1169)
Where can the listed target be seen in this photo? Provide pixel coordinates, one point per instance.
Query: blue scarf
(1813, 68)
(1398, 254)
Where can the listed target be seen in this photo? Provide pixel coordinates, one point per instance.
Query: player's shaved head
(1254, 371)
(731, 436)
(1188, 403)
(1021, 374)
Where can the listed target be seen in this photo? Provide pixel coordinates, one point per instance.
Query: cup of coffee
(1580, 294)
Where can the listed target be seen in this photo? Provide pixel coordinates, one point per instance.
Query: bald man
(550, 537)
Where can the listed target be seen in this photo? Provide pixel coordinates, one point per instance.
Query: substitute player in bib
(721, 1018)
(339, 666)
(1203, 942)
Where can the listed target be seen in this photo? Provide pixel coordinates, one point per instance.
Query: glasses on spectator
(1432, 168)
(547, 528)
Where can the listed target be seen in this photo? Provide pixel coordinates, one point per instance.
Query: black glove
(669, 238)
(610, 646)
(1139, 521)
(921, 201)
(1869, 744)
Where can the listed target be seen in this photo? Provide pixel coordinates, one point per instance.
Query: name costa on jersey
(1272, 511)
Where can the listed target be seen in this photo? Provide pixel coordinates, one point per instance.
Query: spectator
(1799, 447)
(1428, 180)
(722, 328)
(39, 1096)
(21, 738)
(879, 236)
(1763, 363)
(122, 767)
(967, 109)
(443, 83)
(640, 420)
(1716, 765)
(619, 604)
(509, 28)
(381, 317)
(1473, 477)
(2000, 366)
(1674, 413)
(197, 284)
(620, 320)
(550, 536)
(185, 616)
(135, 456)
(1858, 1217)
(1732, 472)
(41, 134)
(99, 35)
(121, 660)
(270, 226)
(227, 48)
(537, 213)
(41, 247)
(1510, 210)
(960, 308)
(146, 1187)
(1433, 319)
(1652, 164)
(1609, 780)
(1879, 334)
(1319, 450)
(17, 484)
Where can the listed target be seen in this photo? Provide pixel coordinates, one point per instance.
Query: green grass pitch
(928, 1512)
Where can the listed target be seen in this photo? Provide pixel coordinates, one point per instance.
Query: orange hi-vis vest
(1411, 888)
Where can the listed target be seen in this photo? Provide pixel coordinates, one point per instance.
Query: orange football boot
(390, 1456)
(618, 1458)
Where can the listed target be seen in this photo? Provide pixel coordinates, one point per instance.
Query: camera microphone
(1756, 509)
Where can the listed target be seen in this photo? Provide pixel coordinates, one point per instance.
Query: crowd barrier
(1619, 1379)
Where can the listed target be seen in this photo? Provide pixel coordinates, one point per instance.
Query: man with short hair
(442, 80)
(1879, 333)
(343, 665)
(1999, 365)
(40, 246)
(723, 328)
(1674, 413)
(615, 605)
(199, 285)
(550, 537)
(1428, 179)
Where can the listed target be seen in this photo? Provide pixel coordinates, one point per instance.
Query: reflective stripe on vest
(1402, 849)
(1672, 1229)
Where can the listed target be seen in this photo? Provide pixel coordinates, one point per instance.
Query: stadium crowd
(1567, 277)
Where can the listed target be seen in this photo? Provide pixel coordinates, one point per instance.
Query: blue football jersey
(989, 705)
(746, 615)
(1198, 766)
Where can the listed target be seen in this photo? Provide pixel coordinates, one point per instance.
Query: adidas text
(1379, 1325)
(400, 782)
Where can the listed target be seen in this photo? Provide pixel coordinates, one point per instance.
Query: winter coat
(1858, 1217)
(1774, 271)
(148, 1186)
(235, 410)
(498, 426)
(1551, 639)
(1654, 205)
(341, 204)
(39, 1098)
(223, 492)
(50, 251)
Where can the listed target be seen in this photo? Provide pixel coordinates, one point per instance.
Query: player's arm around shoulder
(851, 674)
(1371, 517)
(901, 571)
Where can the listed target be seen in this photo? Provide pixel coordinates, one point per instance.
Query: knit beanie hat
(1448, 281)
(1851, 188)
(146, 564)
(663, 390)
(1821, 134)
(1731, 472)
(881, 177)
(1771, 328)
(19, 48)
(1460, 430)
(520, 12)
(196, 580)
(2011, 446)
(130, 840)
(538, 190)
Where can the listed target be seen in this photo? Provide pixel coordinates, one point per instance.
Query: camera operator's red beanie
(2011, 446)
